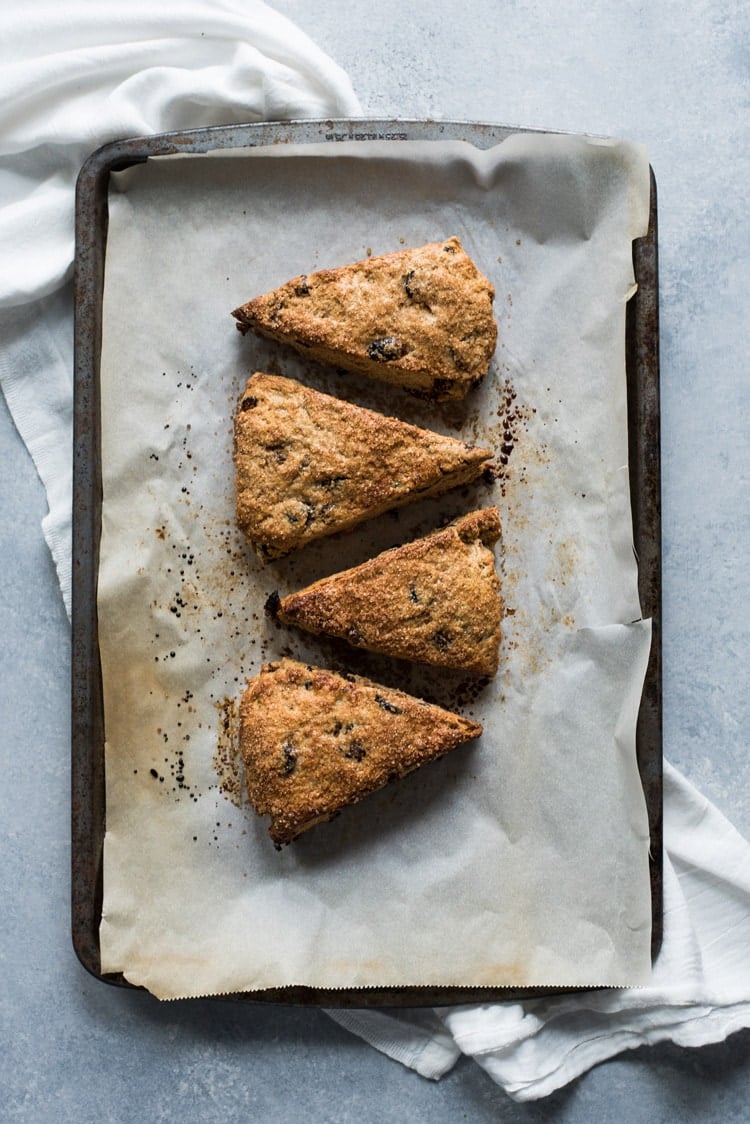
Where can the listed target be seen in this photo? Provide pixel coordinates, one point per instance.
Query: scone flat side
(435, 600)
(314, 742)
(308, 464)
(417, 318)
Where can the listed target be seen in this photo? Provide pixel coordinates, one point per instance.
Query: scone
(314, 742)
(418, 318)
(435, 600)
(308, 464)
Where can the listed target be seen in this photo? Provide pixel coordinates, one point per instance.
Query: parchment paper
(519, 859)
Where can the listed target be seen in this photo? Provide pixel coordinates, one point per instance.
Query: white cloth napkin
(72, 77)
(700, 991)
(75, 76)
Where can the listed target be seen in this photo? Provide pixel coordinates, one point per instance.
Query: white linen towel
(76, 76)
(72, 77)
(700, 992)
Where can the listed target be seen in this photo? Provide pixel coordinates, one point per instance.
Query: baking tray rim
(88, 811)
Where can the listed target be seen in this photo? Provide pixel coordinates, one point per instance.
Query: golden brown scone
(418, 318)
(314, 742)
(435, 600)
(308, 464)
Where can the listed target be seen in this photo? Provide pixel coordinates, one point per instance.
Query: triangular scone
(314, 742)
(435, 600)
(419, 318)
(308, 464)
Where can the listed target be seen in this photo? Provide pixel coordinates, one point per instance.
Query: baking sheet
(570, 652)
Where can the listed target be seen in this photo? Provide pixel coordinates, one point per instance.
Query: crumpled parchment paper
(519, 859)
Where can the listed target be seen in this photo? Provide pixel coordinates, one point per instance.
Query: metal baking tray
(88, 791)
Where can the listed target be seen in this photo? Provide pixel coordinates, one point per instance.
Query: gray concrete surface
(674, 76)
